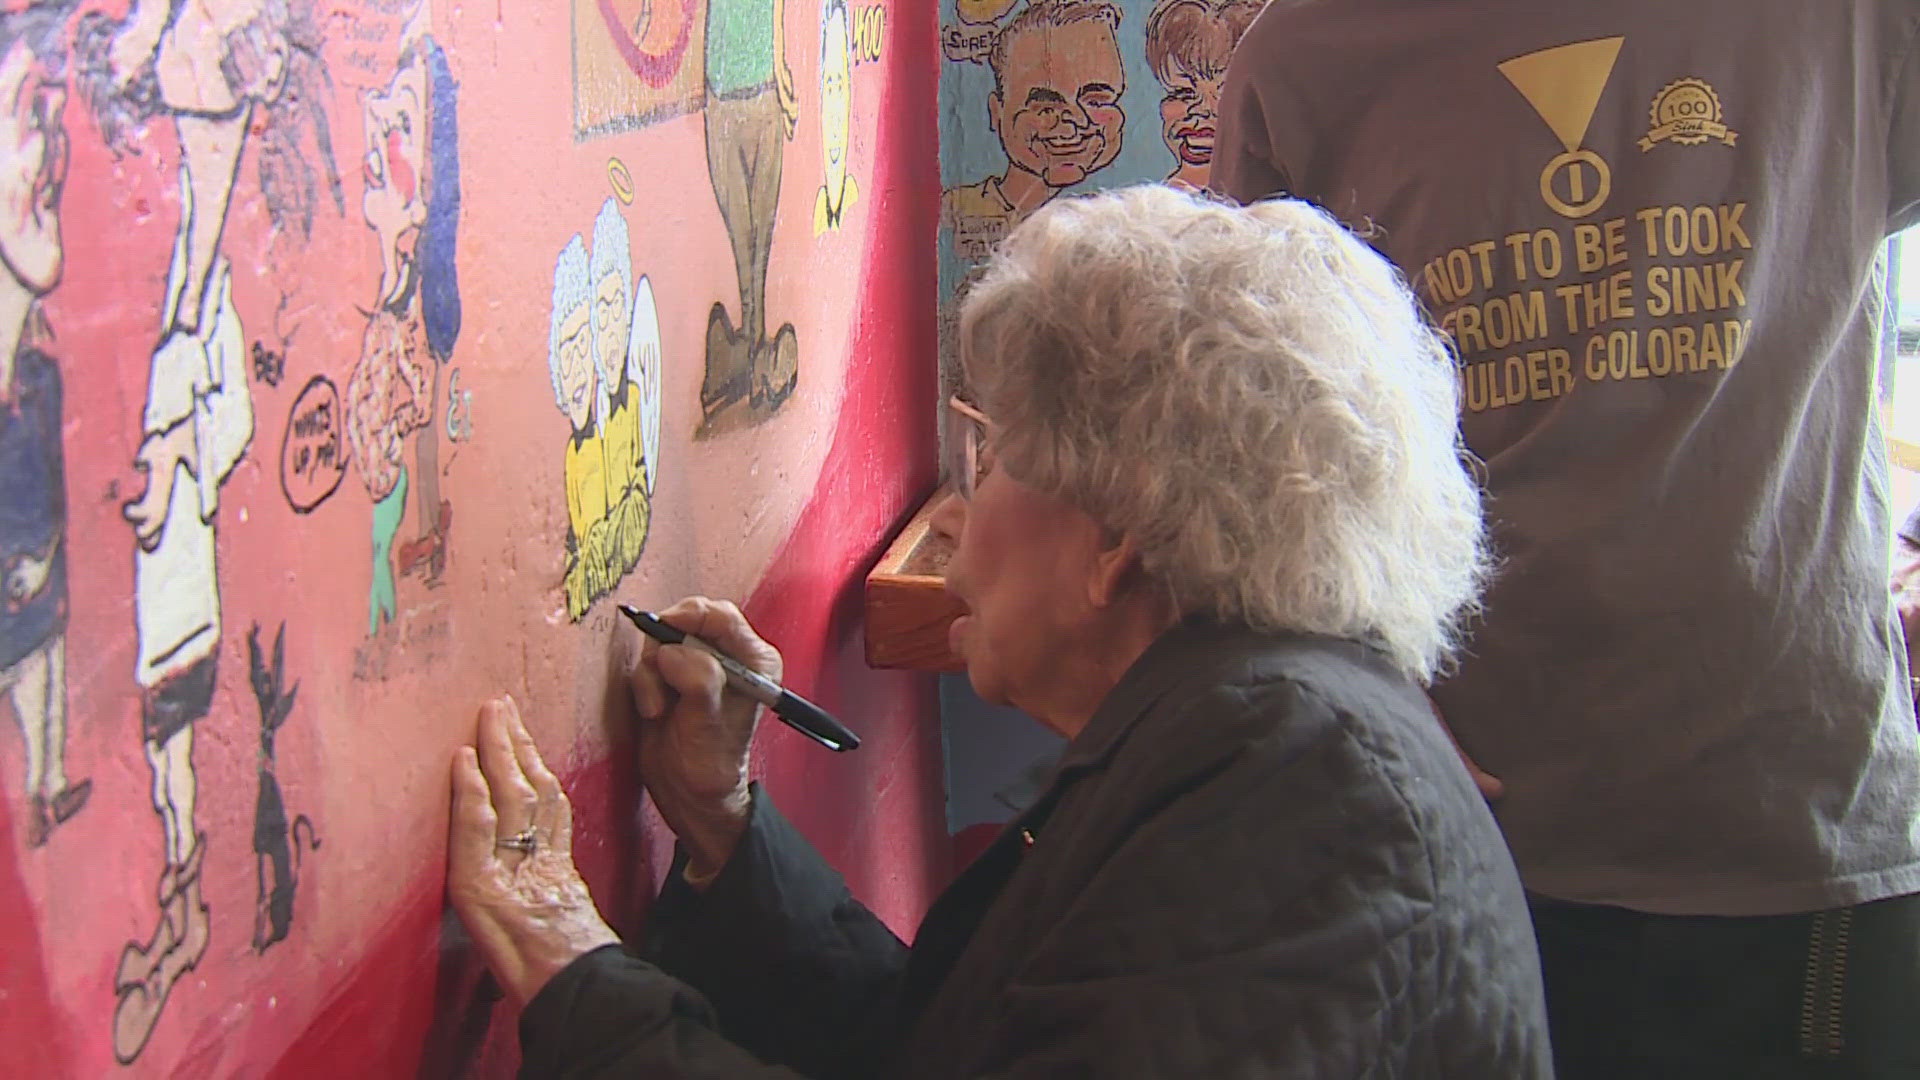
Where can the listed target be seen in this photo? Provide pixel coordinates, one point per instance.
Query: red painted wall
(782, 504)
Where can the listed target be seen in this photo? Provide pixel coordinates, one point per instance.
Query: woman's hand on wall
(694, 732)
(510, 872)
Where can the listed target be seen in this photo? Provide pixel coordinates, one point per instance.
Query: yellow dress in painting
(627, 511)
(828, 212)
(586, 483)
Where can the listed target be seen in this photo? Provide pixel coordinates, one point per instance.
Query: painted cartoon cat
(276, 843)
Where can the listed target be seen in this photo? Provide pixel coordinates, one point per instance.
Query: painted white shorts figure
(197, 425)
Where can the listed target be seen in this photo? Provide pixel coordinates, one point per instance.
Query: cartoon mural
(751, 111)
(208, 68)
(1188, 45)
(982, 11)
(630, 64)
(206, 72)
(1056, 108)
(868, 33)
(263, 353)
(642, 378)
(640, 62)
(579, 393)
(412, 204)
(603, 357)
(836, 117)
(33, 496)
(276, 840)
(313, 450)
(433, 260)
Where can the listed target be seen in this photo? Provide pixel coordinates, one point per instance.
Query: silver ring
(523, 841)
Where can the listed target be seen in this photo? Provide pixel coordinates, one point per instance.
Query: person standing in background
(1653, 254)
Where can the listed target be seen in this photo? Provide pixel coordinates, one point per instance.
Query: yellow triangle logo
(1564, 83)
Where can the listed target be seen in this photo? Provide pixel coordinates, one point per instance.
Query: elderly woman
(1215, 528)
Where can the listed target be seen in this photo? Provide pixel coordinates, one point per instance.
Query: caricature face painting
(579, 378)
(396, 130)
(1057, 111)
(1189, 43)
(611, 264)
(1187, 115)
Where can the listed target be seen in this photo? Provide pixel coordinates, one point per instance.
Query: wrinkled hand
(529, 912)
(694, 731)
(1490, 786)
(1906, 600)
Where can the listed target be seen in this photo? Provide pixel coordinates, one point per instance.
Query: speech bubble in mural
(313, 452)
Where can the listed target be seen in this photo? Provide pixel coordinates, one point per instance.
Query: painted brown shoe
(776, 371)
(190, 915)
(430, 549)
(729, 364)
(140, 963)
(134, 1019)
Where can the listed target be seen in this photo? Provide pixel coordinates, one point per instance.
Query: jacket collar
(1188, 651)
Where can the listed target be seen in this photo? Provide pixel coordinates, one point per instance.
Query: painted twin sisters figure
(603, 354)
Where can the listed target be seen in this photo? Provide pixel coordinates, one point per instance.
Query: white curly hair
(612, 253)
(1251, 395)
(572, 287)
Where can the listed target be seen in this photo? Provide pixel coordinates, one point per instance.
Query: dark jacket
(1261, 858)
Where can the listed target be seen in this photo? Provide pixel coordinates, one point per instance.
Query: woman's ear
(1113, 564)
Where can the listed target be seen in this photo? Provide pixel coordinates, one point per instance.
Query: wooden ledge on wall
(908, 609)
(1905, 455)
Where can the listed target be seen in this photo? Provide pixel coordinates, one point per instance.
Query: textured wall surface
(364, 355)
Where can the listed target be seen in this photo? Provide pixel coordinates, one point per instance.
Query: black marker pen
(795, 711)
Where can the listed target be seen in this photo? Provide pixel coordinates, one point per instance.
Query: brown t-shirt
(1649, 228)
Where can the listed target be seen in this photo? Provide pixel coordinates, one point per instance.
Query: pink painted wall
(778, 465)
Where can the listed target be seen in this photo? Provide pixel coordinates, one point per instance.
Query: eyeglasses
(967, 459)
